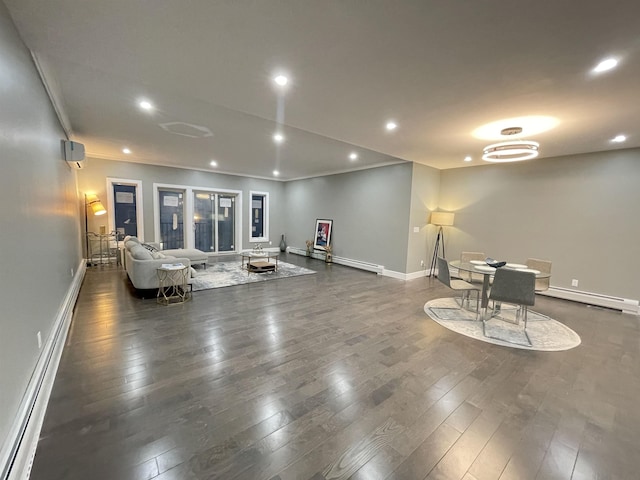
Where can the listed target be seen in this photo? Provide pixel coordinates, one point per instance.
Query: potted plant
(309, 246)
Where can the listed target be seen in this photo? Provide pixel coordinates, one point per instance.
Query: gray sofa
(142, 264)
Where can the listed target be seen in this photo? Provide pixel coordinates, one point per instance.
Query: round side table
(173, 284)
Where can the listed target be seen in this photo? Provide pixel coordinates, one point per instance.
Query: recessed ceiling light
(467, 158)
(391, 125)
(213, 163)
(353, 156)
(126, 150)
(145, 105)
(618, 139)
(278, 138)
(605, 65)
(276, 173)
(281, 80)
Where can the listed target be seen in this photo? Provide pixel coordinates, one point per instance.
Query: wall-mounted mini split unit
(73, 153)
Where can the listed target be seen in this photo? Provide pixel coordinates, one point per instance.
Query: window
(259, 217)
(171, 218)
(124, 198)
(208, 219)
(214, 218)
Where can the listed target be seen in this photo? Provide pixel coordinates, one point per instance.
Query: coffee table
(258, 262)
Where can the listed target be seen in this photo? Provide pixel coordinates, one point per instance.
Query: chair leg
(526, 310)
(526, 334)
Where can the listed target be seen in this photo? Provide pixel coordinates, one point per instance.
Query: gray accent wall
(40, 236)
(93, 178)
(369, 209)
(580, 212)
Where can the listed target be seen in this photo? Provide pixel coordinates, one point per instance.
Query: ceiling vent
(186, 129)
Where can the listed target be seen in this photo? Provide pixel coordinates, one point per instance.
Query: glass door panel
(214, 217)
(226, 222)
(125, 210)
(171, 219)
(203, 208)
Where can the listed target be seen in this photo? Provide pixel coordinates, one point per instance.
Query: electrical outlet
(422, 263)
(270, 243)
(574, 283)
(416, 229)
(39, 335)
(72, 272)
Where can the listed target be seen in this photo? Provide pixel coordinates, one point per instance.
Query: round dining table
(481, 267)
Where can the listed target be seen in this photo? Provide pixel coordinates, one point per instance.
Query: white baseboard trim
(406, 276)
(303, 252)
(626, 305)
(347, 262)
(20, 447)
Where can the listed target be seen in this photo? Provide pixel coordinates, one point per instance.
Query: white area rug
(226, 274)
(545, 333)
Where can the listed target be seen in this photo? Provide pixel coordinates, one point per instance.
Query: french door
(214, 224)
(171, 202)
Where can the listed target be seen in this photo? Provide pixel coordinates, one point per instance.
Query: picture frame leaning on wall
(322, 234)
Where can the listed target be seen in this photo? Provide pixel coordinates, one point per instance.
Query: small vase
(329, 258)
(283, 244)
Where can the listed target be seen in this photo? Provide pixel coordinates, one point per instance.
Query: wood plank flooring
(335, 375)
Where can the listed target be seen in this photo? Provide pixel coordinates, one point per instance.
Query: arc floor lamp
(439, 219)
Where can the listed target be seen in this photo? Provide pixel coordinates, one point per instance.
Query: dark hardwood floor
(332, 376)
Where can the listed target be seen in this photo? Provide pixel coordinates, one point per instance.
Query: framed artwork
(322, 235)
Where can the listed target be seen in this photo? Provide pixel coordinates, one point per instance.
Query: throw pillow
(140, 253)
(157, 255)
(151, 248)
(129, 244)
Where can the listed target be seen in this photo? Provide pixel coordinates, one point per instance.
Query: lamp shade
(96, 206)
(443, 219)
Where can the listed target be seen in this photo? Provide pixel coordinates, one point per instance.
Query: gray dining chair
(458, 285)
(515, 287)
(544, 266)
(469, 276)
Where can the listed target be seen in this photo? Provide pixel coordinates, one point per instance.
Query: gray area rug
(226, 274)
(545, 333)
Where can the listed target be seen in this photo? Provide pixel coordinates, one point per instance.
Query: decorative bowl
(495, 263)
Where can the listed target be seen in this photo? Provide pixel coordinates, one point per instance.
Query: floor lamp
(440, 219)
(91, 200)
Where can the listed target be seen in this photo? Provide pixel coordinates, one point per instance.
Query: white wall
(40, 239)
(580, 212)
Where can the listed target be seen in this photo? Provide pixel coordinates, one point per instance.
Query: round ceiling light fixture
(528, 126)
(513, 151)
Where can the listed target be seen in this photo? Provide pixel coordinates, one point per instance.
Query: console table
(100, 248)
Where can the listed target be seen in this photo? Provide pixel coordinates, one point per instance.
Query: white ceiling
(439, 68)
